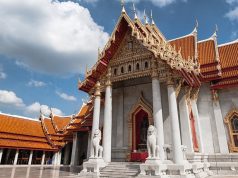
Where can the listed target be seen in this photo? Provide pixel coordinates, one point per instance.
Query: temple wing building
(184, 87)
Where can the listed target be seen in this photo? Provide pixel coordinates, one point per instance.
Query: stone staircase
(120, 170)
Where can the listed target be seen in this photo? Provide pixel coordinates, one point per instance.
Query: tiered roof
(208, 61)
(48, 133)
(23, 133)
(152, 39)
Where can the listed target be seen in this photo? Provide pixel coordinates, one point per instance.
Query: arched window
(129, 68)
(137, 66)
(122, 70)
(146, 65)
(232, 122)
(115, 71)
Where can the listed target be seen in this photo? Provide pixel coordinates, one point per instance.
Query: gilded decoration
(140, 104)
(141, 43)
(133, 60)
(231, 120)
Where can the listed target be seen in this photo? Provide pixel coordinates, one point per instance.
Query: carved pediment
(134, 60)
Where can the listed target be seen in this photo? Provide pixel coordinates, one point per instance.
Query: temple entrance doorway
(140, 129)
(139, 120)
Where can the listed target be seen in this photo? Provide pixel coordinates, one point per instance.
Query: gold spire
(123, 6)
(151, 16)
(145, 18)
(134, 9)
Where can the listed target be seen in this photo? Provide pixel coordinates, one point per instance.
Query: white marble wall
(228, 99)
(206, 116)
(123, 99)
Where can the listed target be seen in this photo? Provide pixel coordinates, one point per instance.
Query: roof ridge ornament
(123, 11)
(145, 18)
(195, 30)
(215, 33)
(151, 17)
(134, 9)
(51, 113)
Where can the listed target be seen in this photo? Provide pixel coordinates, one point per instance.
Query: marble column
(96, 111)
(197, 125)
(157, 114)
(16, 157)
(55, 158)
(43, 158)
(107, 123)
(59, 157)
(175, 130)
(74, 154)
(30, 157)
(89, 144)
(184, 113)
(66, 154)
(1, 153)
(221, 133)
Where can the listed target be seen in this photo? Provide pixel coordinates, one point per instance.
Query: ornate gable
(134, 60)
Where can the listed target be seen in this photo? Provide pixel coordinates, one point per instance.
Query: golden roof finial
(145, 18)
(123, 6)
(134, 9)
(151, 16)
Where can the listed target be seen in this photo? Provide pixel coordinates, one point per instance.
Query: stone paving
(47, 172)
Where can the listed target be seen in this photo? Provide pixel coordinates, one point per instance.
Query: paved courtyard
(48, 172)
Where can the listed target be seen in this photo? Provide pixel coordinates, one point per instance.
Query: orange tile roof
(83, 110)
(19, 132)
(17, 125)
(228, 55)
(24, 144)
(206, 52)
(186, 44)
(60, 122)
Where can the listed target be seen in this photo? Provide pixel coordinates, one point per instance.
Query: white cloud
(233, 14)
(49, 36)
(35, 108)
(231, 1)
(2, 75)
(35, 83)
(9, 98)
(66, 96)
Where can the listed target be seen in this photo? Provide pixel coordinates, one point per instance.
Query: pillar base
(153, 167)
(92, 167)
(187, 170)
(181, 170)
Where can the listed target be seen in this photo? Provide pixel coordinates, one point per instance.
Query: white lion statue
(151, 142)
(97, 148)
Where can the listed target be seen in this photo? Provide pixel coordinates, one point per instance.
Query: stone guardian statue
(151, 142)
(97, 148)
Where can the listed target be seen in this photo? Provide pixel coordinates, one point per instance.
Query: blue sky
(46, 45)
